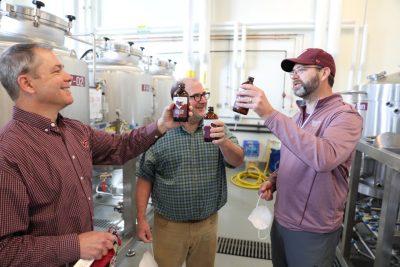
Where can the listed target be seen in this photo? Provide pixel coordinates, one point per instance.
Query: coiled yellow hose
(252, 177)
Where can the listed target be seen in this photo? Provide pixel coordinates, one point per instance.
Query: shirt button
(53, 124)
(73, 156)
(156, 136)
(46, 130)
(82, 178)
(89, 198)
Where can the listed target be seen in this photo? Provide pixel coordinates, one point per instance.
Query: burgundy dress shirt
(45, 184)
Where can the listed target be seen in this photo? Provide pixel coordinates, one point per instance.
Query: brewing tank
(162, 81)
(21, 24)
(378, 101)
(125, 86)
(383, 99)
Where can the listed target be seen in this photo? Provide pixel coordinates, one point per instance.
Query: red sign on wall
(146, 88)
(79, 81)
(362, 106)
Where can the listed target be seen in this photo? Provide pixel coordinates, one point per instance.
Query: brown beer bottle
(181, 101)
(241, 110)
(209, 118)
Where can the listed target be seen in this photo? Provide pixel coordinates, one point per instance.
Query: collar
(36, 120)
(321, 102)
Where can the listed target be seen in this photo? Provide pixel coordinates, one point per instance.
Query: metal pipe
(353, 59)
(243, 53)
(335, 16)
(321, 22)
(363, 45)
(204, 43)
(188, 39)
(94, 46)
(364, 244)
(234, 72)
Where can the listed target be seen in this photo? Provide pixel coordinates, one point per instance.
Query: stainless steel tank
(359, 100)
(126, 87)
(383, 111)
(162, 81)
(21, 24)
(379, 100)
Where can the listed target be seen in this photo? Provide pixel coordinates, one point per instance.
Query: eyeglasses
(197, 97)
(302, 69)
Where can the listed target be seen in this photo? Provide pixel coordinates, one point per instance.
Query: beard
(308, 88)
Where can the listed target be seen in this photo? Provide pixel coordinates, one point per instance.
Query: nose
(68, 77)
(293, 74)
(203, 99)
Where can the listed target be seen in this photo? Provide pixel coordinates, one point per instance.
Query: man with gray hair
(46, 161)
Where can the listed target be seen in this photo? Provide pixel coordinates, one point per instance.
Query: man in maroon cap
(317, 148)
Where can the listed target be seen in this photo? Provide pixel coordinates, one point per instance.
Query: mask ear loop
(152, 250)
(259, 231)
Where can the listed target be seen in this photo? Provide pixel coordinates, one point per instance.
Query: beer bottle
(181, 101)
(241, 110)
(209, 118)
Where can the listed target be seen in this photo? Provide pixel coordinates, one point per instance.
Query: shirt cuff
(153, 131)
(68, 248)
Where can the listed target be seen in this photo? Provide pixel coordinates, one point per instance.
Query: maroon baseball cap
(312, 56)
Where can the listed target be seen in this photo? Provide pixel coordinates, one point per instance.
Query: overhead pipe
(321, 23)
(176, 32)
(335, 17)
(353, 59)
(204, 43)
(188, 40)
(94, 47)
(243, 43)
(234, 68)
(363, 44)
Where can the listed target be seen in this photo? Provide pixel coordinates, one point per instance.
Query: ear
(326, 73)
(25, 84)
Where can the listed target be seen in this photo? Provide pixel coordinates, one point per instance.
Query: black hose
(87, 52)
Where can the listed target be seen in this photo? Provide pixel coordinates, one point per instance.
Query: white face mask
(260, 217)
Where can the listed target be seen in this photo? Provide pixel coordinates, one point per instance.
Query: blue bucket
(274, 158)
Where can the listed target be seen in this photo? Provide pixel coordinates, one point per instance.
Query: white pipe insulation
(321, 23)
(204, 43)
(188, 40)
(363, 44)
(353, 59)
(234, 65)
(335, 22)
(242, 67)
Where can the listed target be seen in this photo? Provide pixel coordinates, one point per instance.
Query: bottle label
(181, 107)
(207, 127)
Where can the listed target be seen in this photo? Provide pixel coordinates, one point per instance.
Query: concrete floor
(233, 223)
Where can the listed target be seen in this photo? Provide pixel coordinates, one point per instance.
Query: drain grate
(244, 248)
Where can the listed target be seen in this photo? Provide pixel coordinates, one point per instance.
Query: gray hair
(17, 60)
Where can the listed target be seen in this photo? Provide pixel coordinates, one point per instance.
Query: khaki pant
(177, 242)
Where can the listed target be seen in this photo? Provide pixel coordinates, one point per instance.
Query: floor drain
(244, 248)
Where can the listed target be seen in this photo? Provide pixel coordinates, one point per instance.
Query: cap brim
(288, 64)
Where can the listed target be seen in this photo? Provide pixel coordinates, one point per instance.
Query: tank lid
(29, 13)
(393, 78)
(125, 47)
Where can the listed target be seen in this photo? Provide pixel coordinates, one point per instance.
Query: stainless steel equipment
(162, 81)
(127, 92)
(359, 99)
(21, 24)
(383, 247)
(383, 111)
(378, 102)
